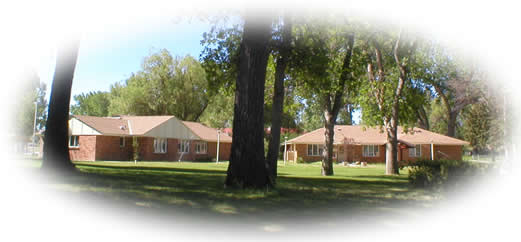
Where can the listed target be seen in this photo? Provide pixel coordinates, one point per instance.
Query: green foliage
(31, 91)
(220, 57)
(443, 173)
(91, 104)
(481, 127)
(165, 86)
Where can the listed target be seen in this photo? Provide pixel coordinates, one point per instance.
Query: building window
(121, 142)
(160, 145)
(183, 146)
(315, 149)
(370, 150)
(201, 147)
(415, 152)
(74, 141)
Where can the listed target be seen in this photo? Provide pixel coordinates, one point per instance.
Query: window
(201, 147)
(121, 142)
(415, 152)
(74, 141)
(160, 145)
(315, 149)
(370, 150)
(183, 146)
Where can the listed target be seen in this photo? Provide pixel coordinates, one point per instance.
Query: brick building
(160, 138)
(361, 143)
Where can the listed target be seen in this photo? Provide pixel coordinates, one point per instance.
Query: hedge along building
(360, 143)
(157, 137)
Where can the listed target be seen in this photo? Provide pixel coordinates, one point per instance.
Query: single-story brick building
(163, 138)
(366, 144)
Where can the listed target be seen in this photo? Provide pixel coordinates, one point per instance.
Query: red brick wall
(86, 150)
(108, 148)
(93, 148)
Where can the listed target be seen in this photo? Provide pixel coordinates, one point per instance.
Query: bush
(429, 173)
(300, 160)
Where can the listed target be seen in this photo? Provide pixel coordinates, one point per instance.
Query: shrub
(429, 173)
(300, 160)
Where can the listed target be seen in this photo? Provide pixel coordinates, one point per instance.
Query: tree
(322, 61)
(284, 49)
(388, 75)
(247, 167)
(456, 83)
(56, 149)
(177, 86)
(92, 104)
(33, 91)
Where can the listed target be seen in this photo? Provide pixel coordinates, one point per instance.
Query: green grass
(197, 188)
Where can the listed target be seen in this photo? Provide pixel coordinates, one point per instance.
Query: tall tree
(455, 82)
(322, 60)
(386, 84)
(56, 151)
(92, 104)
(247, 167)
(284, 49)
(178, 87)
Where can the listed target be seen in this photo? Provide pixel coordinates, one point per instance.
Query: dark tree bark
(423, 118)
(332, 107)
(247, 167)
(278, 98)
(56, 150)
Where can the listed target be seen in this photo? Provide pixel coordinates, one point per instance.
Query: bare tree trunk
(247, 167)
(329, 133)
(423, 119)
(278, 98)
(331, 110)
(56, 149)
(451, 124)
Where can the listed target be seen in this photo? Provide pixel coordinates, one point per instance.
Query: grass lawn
(196, 189)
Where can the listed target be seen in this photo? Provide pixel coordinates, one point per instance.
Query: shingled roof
(206, 133)
(358, 134)
(104, 125)
(143, 125)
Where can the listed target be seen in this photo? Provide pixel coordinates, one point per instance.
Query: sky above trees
(107, 58)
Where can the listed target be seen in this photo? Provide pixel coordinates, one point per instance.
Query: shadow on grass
(169, 169)
(201, 192)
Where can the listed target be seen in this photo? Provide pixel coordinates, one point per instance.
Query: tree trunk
(329, 134)
(331, 109)
(391, 151)
(56, 149)
(278, 99)
(247, 167)
(451, 124)
(423, 118)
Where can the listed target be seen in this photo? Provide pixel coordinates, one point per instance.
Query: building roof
(105, 125)
(206, 133)
(156, 126)
(363, 135)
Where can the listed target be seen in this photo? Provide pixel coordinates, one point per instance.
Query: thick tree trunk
(423, 119)
(247, 167)
(451, 124)
(56, 150)
(329, 134)
(278, 99)
(391, 151)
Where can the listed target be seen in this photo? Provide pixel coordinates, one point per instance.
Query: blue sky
(109, 56)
